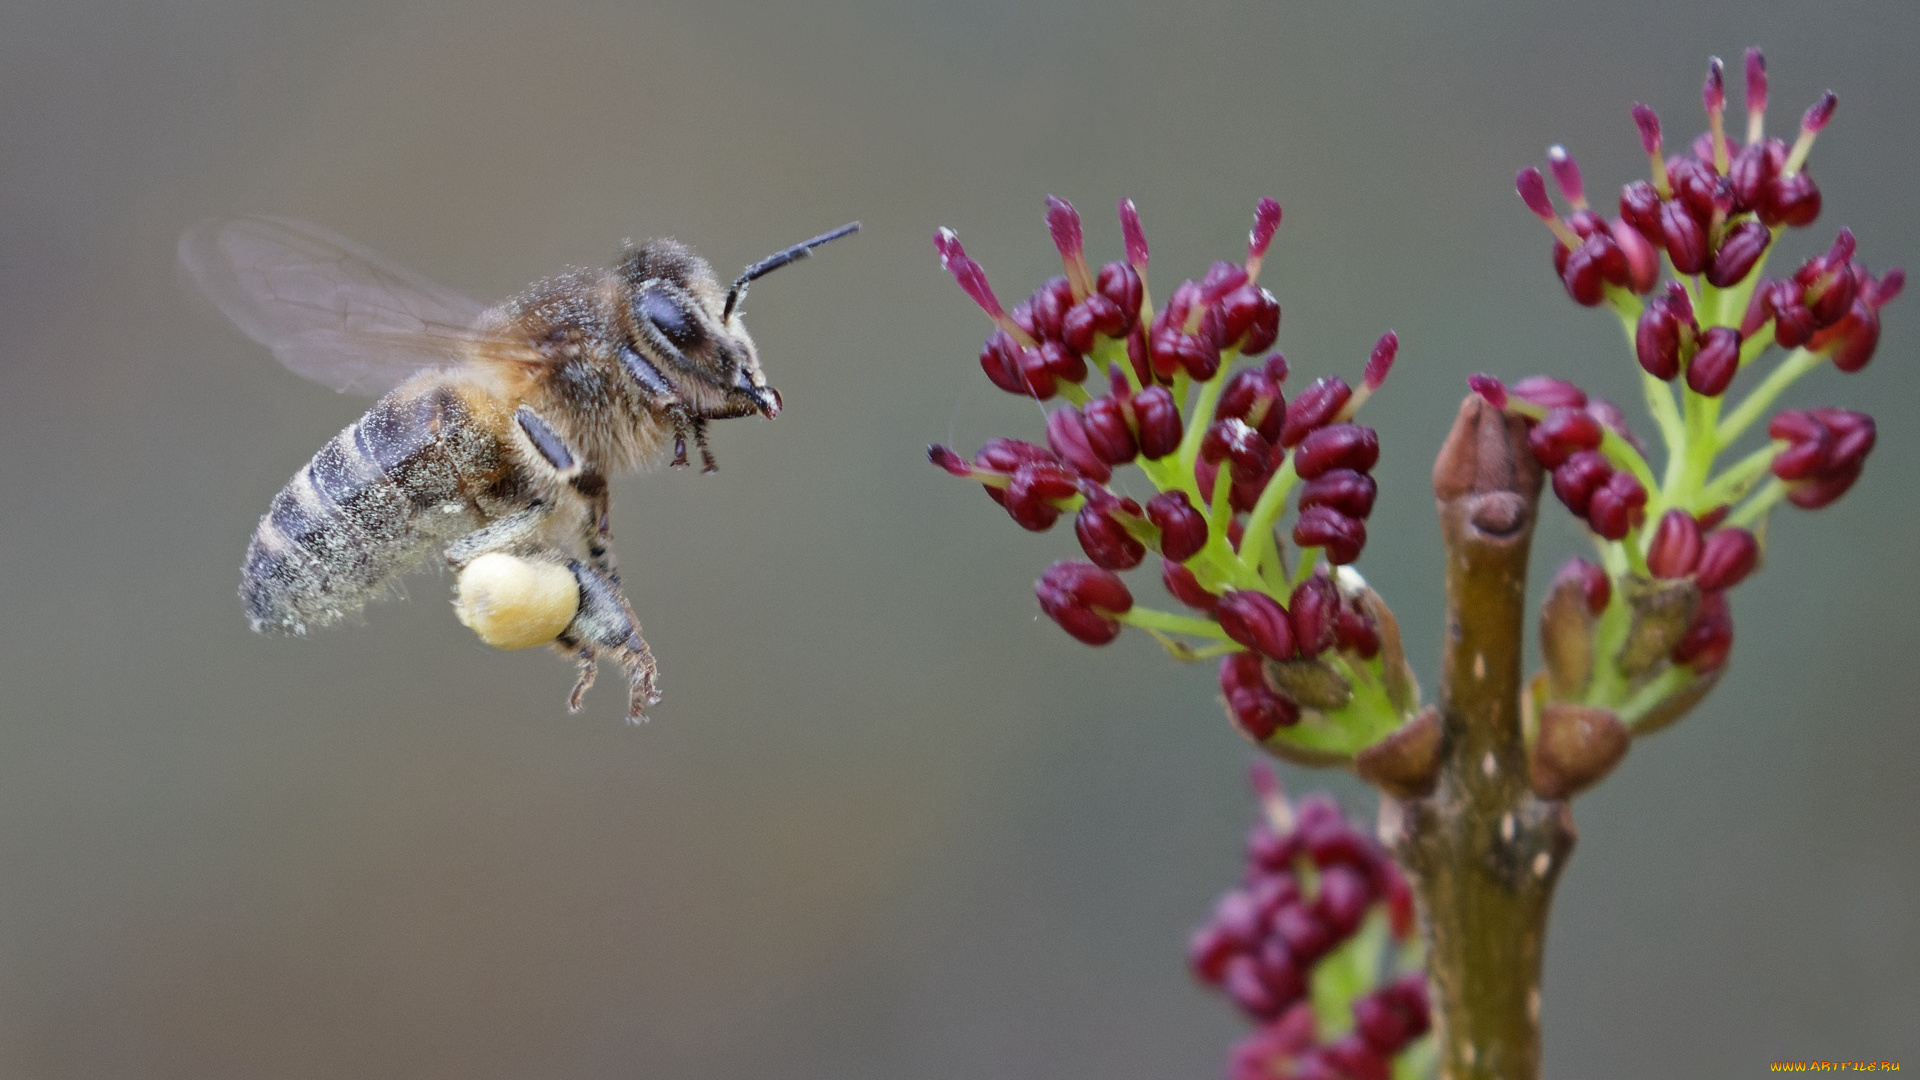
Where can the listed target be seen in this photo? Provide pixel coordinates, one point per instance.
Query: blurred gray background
(919, 832)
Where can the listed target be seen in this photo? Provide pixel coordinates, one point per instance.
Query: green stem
(1155, 619)
(1762, 397)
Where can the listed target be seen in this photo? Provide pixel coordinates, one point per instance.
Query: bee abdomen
(375, 500)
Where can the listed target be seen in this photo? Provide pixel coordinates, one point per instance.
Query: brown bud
(1662, 610)
(1403, 688)
(1405, 764)
(1677, 704)
(1577, 745)
(1313, 683)
(1566, 637)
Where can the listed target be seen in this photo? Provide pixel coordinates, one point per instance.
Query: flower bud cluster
(1313, 882)
(1672, 548)
(1189, 395)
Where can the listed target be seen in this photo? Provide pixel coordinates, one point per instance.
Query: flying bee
(495, 433)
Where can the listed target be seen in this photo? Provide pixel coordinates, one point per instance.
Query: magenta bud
(1858, 337)
(1096, 315)
(1643, 259)
(1756, 81)
(1584, 275)
(1185, 587)
(1727, 557)
(948, 459)
(1256, 621)
(1533, 191)
(1579, 477)
(1033, 498)
(1595, 586)
(1640, 208)
(1067, 435)
(1342, 537)
(1380, 363)
(1656, 340)
(1564, 432)
(1819, 113)
(1043, 313)
(1356, 634)
(1696, 186)
(1007, 455)
(1815, 494)
(1490, 388)
(1134, 236)
(1649, 125)
(1549, 392)
(1676, 545)
(1716, 362)
(1853, 436)
(1684, 239)
(1792, 199)
(1714, 94)
(1337, 446)
(1063, 221)
(1121, 284)
(972, 279)
(1246, 319)
(1566, 174)
(1615, 504)
(1084, 599)
(1158, 420)
(1739, 252)
(1266, 221)
(1752, 170)
(1104, 425)
(1352, 493)
(1208, 950)
(1183, 529)
(1105, 538)
(1252, 395)
(1314, 610)
(1709, 638)
(1001, 359)
(1314, 407)
(1256, 709)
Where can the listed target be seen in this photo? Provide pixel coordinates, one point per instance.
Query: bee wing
(329, 309)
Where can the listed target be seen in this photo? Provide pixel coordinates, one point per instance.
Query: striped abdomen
(370, 505)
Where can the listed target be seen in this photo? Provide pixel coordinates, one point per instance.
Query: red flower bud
(1577, 478)
(1709, 639)
(1713, 367)
(1684, 239)
(1727, 557)
(1256, 709)
(1183, 529)
(1352, 493)
(1792, 200)
(1032, 500)
(1314, 407)
(1343, 537)
(1083, 599)
(1564, 432)
(1121, 284)
(1676, 545)
(1067, 435)
(1314, 610)
(1185, 587)
(1104, 537)
(1739, 252)
(1105, 425)
(1256, 621)
(1159, 422)
(1614, 506)
(1640, 208)
(1338, 446)
(1545, 390)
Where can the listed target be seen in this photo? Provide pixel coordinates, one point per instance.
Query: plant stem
(1483, 849)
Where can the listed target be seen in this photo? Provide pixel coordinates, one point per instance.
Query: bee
(495, 433)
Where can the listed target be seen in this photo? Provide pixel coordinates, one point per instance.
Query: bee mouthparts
(768, 399)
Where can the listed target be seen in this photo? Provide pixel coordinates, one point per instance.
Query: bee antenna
(777, 260)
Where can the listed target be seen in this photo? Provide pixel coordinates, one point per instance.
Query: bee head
(686, 331)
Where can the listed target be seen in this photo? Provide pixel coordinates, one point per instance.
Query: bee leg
(707, 464)
(605, 628)
(503, 534)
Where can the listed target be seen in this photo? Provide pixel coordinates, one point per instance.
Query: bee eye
(669, 317)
